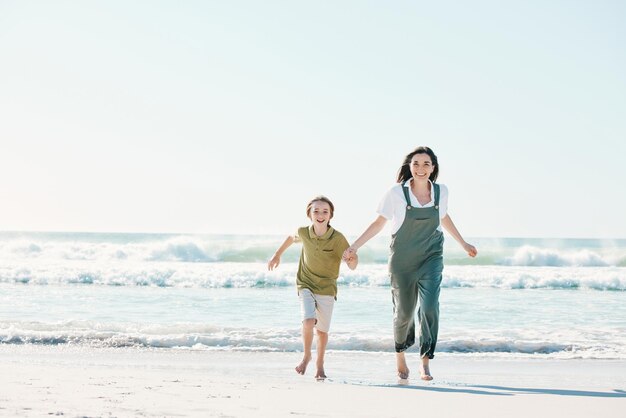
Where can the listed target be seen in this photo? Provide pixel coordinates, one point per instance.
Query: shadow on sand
(508, 391)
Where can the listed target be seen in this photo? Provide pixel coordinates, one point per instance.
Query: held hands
(470, 249)
(349, 254)
(273, 263)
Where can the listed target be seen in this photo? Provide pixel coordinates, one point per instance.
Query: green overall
(415, 268)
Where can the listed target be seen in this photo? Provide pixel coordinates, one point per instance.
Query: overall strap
(436, 187)
(405, 190)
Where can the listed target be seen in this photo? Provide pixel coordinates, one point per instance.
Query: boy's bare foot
(425, 370)
(403, 369)
(320, 375)
(301, 368)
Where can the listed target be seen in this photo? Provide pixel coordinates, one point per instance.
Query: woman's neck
(420, 185)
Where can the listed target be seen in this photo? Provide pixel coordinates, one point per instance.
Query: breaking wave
(254, 249)
(255, 275)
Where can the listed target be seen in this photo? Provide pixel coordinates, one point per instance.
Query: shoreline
(84, 381)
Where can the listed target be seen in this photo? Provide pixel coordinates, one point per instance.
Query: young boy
(318, 269)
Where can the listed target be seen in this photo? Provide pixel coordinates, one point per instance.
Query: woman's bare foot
(403, 369)
(301, 368)
(425, 370)
(320, 375)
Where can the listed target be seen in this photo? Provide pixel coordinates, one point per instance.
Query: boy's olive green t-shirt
(320, 260)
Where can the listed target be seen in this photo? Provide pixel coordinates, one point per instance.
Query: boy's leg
(324, 311)
(307, 307)
(307, 342)
(322, 340)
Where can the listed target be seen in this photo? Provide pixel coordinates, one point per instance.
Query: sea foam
(202, 337)
(256, 275)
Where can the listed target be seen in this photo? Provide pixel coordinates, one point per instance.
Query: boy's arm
(275, 260)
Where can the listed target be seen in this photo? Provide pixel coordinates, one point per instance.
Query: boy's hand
(273, 263)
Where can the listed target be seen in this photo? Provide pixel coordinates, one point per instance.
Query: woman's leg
(425, 369)
(429, 286)
(403, 368)
(404, 295)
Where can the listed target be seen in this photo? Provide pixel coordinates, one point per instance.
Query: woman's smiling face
(421, 166)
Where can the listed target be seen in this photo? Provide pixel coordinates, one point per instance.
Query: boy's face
(320, 213)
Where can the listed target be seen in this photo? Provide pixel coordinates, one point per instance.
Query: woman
(417, 208)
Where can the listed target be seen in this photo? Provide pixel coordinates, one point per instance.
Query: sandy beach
(159, 158)
(68, 380)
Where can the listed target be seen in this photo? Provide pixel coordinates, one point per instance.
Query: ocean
(528, 298)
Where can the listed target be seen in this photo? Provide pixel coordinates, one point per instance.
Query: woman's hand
(470, 249)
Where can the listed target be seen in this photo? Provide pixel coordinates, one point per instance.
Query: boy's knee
(309, 322)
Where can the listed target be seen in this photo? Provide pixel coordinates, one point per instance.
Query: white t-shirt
(393, 204)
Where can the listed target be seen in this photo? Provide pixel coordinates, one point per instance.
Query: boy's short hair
(320, 198)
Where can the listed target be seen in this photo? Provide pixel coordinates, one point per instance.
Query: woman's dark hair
(404, 173)
(320, 199)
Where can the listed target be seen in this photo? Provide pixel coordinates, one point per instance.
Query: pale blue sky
(228, 116)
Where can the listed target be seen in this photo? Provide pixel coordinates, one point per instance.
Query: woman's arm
(447, 223)
(374, 228)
